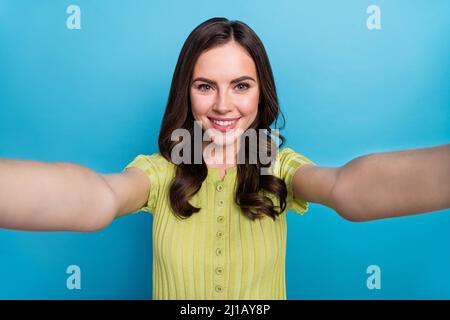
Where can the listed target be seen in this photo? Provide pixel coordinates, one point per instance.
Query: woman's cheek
(248, 103)
(249, 109)
(200, 106)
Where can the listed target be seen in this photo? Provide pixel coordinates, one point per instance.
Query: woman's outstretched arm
(53, 196)
(392, 184)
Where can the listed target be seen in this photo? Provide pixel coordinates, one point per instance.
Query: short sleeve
(286, 164)
(155, 167)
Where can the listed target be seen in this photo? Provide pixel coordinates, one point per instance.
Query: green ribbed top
(217, 253)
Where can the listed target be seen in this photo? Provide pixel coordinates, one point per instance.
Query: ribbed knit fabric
(217, 253)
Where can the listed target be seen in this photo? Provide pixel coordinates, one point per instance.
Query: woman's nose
(222, 104)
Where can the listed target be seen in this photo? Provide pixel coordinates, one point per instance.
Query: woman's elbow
(102, 214)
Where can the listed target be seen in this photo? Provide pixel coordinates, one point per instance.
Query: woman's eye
(204, 87)
(243, 86)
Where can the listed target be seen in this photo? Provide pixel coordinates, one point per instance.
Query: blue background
(96, 96)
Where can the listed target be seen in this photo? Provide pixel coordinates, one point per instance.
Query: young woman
(219, 228)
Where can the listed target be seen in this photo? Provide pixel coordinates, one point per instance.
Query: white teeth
(223, 123)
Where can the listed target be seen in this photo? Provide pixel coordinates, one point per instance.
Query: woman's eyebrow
(232, 81)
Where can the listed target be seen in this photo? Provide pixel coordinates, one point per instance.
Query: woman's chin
(223, 142)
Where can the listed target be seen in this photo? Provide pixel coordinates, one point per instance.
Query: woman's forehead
(229, 61)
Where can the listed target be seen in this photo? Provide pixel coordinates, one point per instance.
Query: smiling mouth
(223, 125)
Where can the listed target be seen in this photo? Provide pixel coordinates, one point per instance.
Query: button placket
(219, 236)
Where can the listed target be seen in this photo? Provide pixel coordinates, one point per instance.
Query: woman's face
(224, 91)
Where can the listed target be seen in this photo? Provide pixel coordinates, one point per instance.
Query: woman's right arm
(62, 196)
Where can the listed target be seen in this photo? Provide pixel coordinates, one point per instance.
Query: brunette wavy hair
(252, 187)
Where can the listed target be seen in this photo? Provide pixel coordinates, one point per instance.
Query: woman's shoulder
(288, 160)
(152, 162)
(156, 158)
(285, 154)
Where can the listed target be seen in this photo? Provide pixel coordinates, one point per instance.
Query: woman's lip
(226, 128)
(224, 119)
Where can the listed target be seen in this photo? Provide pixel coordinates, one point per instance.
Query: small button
(220, 219)
(219, 270)
(221, 202)
(218, 251)
(219, 234)
(219, 289)
(219, 187)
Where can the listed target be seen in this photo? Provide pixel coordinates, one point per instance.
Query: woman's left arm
(392, 184)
